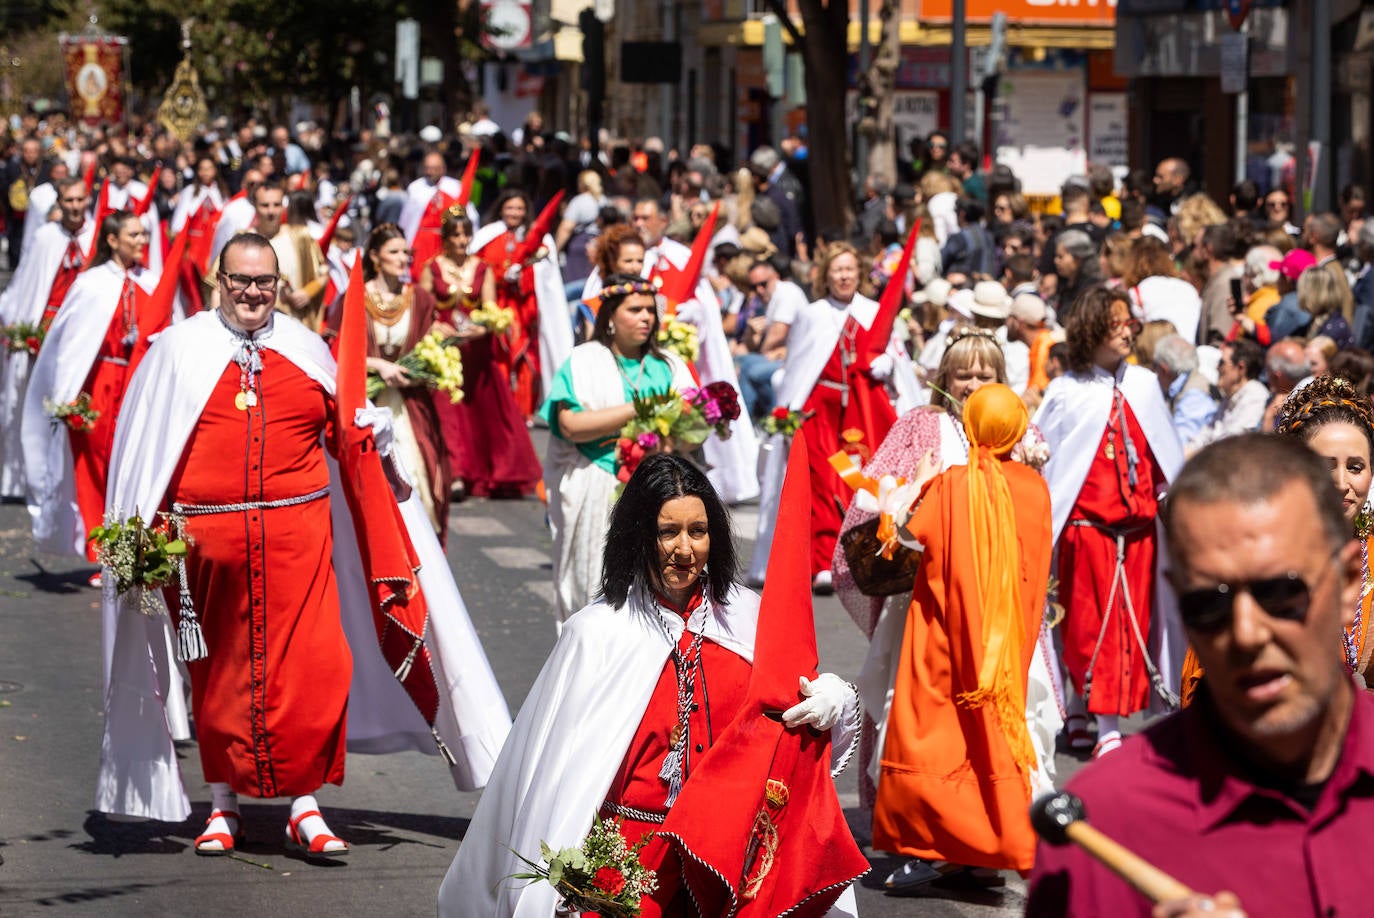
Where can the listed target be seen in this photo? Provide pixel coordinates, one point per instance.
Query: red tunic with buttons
(834, 413)
(722, 680)
(270, 699)
(106, 382)
(62, 282)
(1109, 503)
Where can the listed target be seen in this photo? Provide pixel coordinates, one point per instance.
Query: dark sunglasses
(761, 285)
(1285, 598)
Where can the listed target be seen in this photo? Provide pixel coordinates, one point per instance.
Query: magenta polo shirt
(1177, 797)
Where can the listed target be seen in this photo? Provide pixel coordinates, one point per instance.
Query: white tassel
(190, 639)
(443, 747)
(671, 771)
(403, 671)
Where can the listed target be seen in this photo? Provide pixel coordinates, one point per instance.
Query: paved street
(400, 812)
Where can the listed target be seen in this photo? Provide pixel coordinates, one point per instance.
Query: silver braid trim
(629, 812)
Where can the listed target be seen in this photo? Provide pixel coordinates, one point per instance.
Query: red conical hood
(890, 303)
(469, 176)
(679, 285)
(328, 236)
(351, 354)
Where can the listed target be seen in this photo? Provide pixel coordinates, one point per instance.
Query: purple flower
(647, 440)
(712, 411)
(689, 394)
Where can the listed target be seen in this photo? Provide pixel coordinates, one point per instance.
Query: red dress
(1110, 502)
(720, 687)
(843, 398)
(517, 352)
(488, 446)
(105, 383)
(271, 698)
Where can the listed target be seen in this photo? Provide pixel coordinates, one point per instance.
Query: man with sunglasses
(1261, 786)
(1244, 397)
(761, 345)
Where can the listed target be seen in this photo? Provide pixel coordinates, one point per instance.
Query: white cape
(139, 773)
(568, 741)
(125, 199)
(733, 463)
(1072, 416)
(22, 302)
(238, 215)
(580, 492)
(69, 351)
(811, 340)
(190, 201)
(555, 320)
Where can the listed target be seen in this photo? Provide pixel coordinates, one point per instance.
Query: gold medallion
(241, 401)
(675, 736)
(1110, 451)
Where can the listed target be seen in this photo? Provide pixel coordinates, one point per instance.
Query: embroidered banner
(94, 67)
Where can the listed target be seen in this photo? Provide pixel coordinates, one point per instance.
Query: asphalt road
(400, 812)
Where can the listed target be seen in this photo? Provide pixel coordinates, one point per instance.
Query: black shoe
(912, 876)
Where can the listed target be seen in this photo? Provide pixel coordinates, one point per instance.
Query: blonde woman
(578, 226)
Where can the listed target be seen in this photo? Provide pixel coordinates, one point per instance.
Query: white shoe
(95, 580)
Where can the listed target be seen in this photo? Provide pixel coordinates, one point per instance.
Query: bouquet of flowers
(23, 338)
(139, 555)
(662, 423)
(77, 414)
(718, 403)
(603, 876)
(436, 363)
(495, 319)
(785, 422)
(680, 338)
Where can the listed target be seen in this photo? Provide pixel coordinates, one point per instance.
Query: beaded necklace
(1352, 637)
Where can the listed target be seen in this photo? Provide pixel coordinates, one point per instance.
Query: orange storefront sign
(1027, 12)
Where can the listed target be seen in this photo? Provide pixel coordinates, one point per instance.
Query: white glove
(379, 419)
(881, 367)
(825, 697)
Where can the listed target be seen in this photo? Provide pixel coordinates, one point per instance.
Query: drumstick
(1060, 819)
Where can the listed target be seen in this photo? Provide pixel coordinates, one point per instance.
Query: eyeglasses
(761, 285)
(938, 145)
(1276, 205)
(239, 283)
(1133, 324)
(1286, 597)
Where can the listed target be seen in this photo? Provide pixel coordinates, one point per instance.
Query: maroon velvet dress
(488, 445)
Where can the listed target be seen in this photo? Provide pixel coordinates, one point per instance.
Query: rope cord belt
(208, 509)
(1119, 582)
(190, 638)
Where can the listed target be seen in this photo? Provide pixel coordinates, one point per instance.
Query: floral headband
(626, 288)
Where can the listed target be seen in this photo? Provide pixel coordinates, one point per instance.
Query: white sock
(312, 826)
(224, 799)
(1108, 727)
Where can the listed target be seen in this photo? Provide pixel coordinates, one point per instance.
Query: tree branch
(779, 8)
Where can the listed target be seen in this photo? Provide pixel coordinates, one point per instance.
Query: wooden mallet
(1060, 819)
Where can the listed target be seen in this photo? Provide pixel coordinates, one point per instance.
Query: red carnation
(609, 880)
(780, 413)
(32, 342)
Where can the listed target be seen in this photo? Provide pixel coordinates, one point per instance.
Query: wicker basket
(873, 574)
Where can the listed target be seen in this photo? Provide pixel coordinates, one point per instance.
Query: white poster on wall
(1042, 136)
(915, 113)
(1107, 129)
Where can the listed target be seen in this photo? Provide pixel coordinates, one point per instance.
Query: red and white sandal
(226, 841)
(315, 850)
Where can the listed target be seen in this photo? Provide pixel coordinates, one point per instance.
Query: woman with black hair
(639, 687)
(590, 400)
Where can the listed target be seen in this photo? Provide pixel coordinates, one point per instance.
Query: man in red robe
(56, 255)
(270, 695)
(422, 217)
